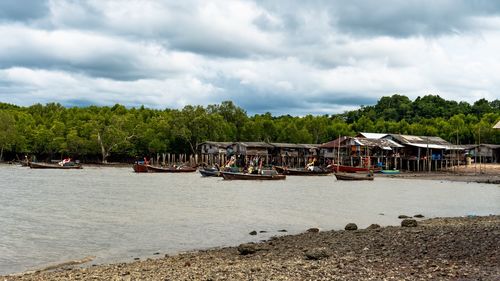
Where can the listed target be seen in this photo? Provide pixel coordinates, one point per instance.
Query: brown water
(51, 216)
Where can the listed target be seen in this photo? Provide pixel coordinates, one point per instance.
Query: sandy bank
(437, 249)
(485, 173)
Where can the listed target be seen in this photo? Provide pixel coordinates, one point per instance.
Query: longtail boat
(246, 176)
(351, 169)
(303, 171)
(354, 177)
(210, 172)
(66, 166)
(143, 168)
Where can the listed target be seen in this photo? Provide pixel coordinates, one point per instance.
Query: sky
(284, 57)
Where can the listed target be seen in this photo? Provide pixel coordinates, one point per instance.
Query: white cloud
(286, 58)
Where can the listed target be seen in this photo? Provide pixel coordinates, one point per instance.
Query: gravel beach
(435, 249)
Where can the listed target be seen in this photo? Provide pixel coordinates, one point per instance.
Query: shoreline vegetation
(118, 133)
(461, 248)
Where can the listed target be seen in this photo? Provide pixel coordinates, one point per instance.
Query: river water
(51, 216)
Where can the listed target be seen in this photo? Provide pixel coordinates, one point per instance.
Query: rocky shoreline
(434, 249)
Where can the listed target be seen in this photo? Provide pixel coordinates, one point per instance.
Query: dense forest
(118, 133)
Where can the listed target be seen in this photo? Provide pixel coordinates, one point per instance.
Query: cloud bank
(283, 57)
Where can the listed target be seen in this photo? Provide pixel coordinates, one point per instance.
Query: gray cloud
(411, 18)
(22, 10)
(285, 57)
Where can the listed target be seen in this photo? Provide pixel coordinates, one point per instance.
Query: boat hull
(353, 177)
(350, 169)
(53, 166)
(390, 172)
(243, 176)
(210, 173)
(140, 168)
(302, 172)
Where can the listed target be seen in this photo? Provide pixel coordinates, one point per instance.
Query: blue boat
(390, 172)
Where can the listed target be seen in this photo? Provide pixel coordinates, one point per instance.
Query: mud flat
(484, 173)
(435, 249)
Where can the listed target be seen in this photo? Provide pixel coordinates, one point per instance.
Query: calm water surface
(50, 216)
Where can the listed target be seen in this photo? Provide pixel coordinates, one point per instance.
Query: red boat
(350, 169)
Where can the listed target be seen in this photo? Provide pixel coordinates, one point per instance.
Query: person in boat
(310, 165)
(65, 161)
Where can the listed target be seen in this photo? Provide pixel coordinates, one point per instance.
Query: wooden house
(212, 152)
(293, 155)
(360, 151)
(425, 153)
(485, 153)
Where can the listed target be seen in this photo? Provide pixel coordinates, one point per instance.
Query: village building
(212, 152)
(293, 155)
(361, 151)
(484, 153)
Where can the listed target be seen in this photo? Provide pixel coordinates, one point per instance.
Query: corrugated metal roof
(286, 145)
(255, 144)
(372, 135)
(217, 143)
(334, 143)
(382, 143)
(414, 140)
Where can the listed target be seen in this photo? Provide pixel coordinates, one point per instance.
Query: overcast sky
(285, 57)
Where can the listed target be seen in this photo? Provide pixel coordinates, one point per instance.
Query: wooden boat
(350, 169)
(142, 168)
(389, 172)
(354, 177)
(302, 171)
(71, 165)
(209, 172)
(246, 176)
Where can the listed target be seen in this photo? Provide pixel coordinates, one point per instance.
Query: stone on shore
(409, 223)
(351, 226)
(373, 226)
(253, 232)
(418, 216)
(247, 248)
(403, 217)
(313, 230)
(316, 254)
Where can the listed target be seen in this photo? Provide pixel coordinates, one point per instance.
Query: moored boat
(146, 168)
(389, 172)
(140, 168)
(247, 176)
(354, 177)
(317, 171)
(209, 172)
(351, 169)
(70, 165)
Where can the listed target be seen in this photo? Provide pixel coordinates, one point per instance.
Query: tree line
(118, 133)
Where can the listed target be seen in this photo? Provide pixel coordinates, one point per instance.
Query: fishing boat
(140, 168)
(209, 172)
(317, 171)
(390, 172)
(351, 169)
(146, 168)
(247, 176)
(354, 177)
(65, 166)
